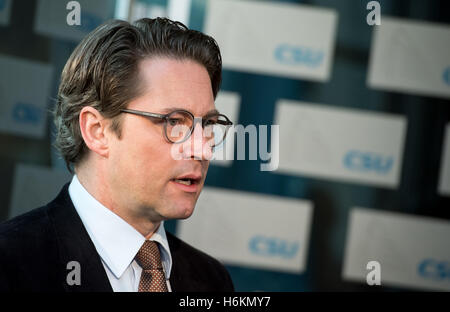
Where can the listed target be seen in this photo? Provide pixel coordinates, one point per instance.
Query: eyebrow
(171, 109)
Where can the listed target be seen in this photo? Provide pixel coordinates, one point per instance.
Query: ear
(93, 128)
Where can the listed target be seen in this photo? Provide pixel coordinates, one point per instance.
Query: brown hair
(102, 72)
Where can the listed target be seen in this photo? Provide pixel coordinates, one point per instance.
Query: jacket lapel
(74, 244)
(175, 282)
(182, 278)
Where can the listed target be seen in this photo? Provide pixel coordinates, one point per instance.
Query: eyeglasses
(179, 125)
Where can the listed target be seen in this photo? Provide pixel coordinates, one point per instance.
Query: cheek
(139, 145)
(143, 156)
(150, 162)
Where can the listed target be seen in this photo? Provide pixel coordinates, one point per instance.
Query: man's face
(142, 171)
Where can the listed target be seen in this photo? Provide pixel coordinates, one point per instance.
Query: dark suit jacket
(36, 247)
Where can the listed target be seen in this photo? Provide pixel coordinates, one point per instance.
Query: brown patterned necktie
(152, 277)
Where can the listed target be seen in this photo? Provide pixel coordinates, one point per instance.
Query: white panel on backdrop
(411, 57)
(5, 11)
(252, 230)
(24, 94)
(122, 9)
(340, 143)
(35, 186)
(412, 251)
(444, 176)
(179, 10)
(142, 9)
(51, 18)
(227, 103)
(274, 38)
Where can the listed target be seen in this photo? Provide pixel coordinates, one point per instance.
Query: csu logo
(298, 55)
(367, 161)
(434, 269)
(446, 75)
(273, 247)
(26, 113)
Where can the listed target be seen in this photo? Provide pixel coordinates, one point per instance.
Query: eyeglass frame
(228, 123)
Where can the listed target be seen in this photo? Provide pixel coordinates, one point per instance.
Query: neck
(96, 184)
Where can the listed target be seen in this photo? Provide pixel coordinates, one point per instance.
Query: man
(136, 120)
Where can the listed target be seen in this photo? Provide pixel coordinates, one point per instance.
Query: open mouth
(185, 181)
(188, 179)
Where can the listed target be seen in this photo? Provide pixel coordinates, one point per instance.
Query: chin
(180, 211)
(186, 213)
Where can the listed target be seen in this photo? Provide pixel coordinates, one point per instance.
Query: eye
(210, 122)
(173, 121)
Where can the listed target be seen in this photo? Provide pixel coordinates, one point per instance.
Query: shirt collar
(116, 241)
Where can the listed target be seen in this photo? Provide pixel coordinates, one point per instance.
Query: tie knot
(148, 256)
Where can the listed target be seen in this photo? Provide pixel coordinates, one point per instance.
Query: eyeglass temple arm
(161, 116)
(147, 114)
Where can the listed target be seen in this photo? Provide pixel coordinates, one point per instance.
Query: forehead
(167, 83)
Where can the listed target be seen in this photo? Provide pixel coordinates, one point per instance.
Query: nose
(197, 146)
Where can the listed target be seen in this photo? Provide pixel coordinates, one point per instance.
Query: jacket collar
(74, 244)
(116, 241)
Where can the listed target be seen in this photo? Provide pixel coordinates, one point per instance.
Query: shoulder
(22, 238)
(31, 224)
(34, 225)
(200, 265)
(28, 234)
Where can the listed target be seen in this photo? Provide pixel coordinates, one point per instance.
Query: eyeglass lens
(179, 126)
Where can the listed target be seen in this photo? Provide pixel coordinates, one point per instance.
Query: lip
(195, 182)
(193, 188)
(193, 176)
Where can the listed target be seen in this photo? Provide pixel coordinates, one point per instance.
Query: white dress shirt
(116, 241)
